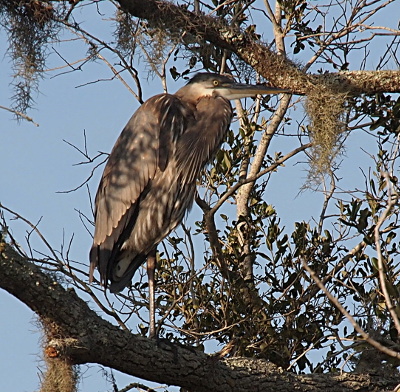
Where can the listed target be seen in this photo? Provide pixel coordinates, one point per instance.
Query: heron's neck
(191, 93)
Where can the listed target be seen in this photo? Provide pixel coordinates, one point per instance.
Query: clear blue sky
(35, 164)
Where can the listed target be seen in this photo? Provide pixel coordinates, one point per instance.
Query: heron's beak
(239, 90)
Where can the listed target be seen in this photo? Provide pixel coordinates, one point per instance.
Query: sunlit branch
(20, 114)
(269, 169)
(349, 317)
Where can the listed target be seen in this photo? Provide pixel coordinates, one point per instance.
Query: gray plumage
(149, 180)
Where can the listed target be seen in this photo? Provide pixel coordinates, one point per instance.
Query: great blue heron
(149, 180)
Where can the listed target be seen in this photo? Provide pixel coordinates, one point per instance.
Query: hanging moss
(59, 376)
(29, 25)
(325, 109)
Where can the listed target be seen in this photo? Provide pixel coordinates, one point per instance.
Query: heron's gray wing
(142, 148)
(199, 144)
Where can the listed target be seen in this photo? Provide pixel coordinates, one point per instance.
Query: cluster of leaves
(382, 109)
(288, 316)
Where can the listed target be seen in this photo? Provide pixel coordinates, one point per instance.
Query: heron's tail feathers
(123, 272)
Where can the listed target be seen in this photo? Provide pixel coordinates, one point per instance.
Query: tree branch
(349, 317)
(78, 333)
(20, 115)
(278, 70)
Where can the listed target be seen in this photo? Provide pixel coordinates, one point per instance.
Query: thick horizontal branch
(78, 333)
(278, 70)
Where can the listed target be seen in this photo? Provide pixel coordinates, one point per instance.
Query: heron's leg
(151, 267)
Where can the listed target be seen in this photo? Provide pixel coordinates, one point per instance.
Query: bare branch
(20, 115)
(349, 317)
(255, 177)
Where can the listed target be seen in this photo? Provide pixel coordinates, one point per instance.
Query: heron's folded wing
(142, 148)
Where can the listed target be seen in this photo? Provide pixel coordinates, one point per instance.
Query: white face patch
(201, 90)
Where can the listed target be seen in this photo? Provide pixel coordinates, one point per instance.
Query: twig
(137, 386)
(191, 263)
(303, 354)
(88, 178)
(240, 183)
(327, 197)
(20, 114)
(349, 317)
(87, 37)
(312, 290)
(35, 229)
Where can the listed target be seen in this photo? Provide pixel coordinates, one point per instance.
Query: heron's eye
(215, 83)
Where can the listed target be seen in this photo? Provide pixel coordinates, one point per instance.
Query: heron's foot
(153, 333)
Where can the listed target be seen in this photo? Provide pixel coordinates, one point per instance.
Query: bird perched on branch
(149, 180)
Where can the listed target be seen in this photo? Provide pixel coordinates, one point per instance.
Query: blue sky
(36, 164)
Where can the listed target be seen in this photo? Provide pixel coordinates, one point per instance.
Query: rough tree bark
(77, 333)
(278, 70)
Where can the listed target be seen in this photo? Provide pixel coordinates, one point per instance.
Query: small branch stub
(51, 352)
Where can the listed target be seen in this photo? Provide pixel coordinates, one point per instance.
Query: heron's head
(203, 84)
